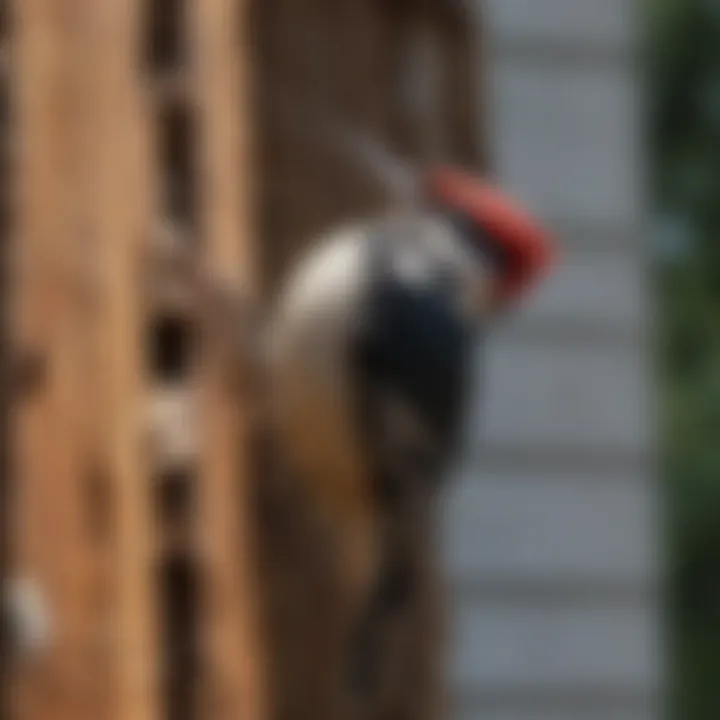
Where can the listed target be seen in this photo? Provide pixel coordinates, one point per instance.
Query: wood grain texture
(232, 654)
(90, 196)
(122, 203)
(52, 457)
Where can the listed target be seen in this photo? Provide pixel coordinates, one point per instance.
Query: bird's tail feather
(393, 591)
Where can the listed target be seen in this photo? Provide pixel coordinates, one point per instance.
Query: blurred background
(680, 69)
(580, 544)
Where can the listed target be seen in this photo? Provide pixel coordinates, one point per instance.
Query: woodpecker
(369, 357)
(372, 367)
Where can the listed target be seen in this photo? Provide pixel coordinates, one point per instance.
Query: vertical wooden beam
(463, 89)
(51, 462)
(95, 479)
(232, 657)
(426, 107)
(367, 72)
(122, 202)
(7, 383)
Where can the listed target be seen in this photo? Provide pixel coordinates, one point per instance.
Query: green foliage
(684, 79)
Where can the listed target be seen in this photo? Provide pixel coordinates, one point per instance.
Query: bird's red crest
(527, 246)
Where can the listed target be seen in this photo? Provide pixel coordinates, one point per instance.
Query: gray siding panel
(574, 396)
(561, 140)
(545, 528)
(557, 21)
(527, 713)
(553, 646)
(605, 289)
(551, 528)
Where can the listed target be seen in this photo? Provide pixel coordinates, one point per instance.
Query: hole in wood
(30, 371)
(175, 497)
(177, 148)
(165, 41)
(171, 345)
(98, 505)
(179, 613)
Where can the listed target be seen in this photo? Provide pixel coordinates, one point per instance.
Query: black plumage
(413, 347)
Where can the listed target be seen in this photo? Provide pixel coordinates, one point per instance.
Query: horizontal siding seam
(524, 458)
(606, 591)
(631, 698)
(581, 55)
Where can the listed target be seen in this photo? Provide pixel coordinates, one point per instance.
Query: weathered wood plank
(121, 170)
(232, 654)
(52, 461)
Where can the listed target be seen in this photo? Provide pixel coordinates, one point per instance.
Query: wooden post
(51, 462)
(123, 213)
(232, 657)
(7, 366)
(89, 200)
